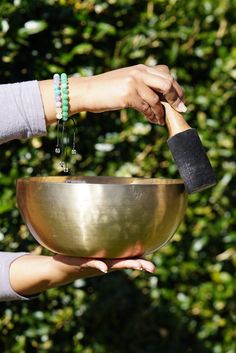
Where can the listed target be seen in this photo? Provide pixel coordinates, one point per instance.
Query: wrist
(78, 94)
(78, 97)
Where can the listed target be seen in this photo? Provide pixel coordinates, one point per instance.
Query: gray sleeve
(6, 291)
(22, 114)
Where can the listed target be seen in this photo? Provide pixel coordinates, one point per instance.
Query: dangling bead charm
(73, 149)
(57, 149)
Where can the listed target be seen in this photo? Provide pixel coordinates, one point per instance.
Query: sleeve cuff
(22, 114)
(33, 107)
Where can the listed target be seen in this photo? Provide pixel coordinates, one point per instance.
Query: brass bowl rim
(102, 180)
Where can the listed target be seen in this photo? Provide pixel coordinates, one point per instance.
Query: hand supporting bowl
(101, 217)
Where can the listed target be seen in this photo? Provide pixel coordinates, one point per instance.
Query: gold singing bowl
(101, 217)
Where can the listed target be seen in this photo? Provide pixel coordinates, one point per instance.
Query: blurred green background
(189, 305)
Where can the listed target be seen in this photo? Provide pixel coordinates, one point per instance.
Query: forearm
(29, 275)
(41, 273)
(6, 291)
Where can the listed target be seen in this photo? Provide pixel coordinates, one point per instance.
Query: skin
(41, 273)
(139, 87)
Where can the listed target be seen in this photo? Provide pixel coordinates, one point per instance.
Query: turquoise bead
(65, 114)
(64, 90)
(57, 91)
(65, 108)
(63, 76)
(56, 78)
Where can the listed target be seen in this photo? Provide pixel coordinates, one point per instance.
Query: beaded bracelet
(64, 96)
(62, 115)
(57, 91)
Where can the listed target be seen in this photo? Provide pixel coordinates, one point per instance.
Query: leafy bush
(189, 305)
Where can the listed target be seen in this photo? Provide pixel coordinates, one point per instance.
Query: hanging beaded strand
(59, 149)
(65, 111)
(73, 150)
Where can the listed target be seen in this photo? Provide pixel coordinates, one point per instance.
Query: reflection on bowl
(101, 217)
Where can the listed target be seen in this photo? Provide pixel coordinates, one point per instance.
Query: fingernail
(151, 271)
(155, 121)
(102, 269)
(182, 107)
(152, 121)
(138, 268)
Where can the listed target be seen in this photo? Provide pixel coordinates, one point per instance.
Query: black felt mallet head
(188, 152)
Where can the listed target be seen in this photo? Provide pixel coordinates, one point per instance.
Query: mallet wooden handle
(174, 121)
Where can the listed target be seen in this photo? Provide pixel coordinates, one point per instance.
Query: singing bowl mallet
(188, 152)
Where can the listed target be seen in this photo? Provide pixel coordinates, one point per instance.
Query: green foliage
(189, 305)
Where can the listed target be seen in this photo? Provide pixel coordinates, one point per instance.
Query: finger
(137, 264)
(164, 86)
(147, 265)
(153, 100)
(178, 88)
(120, 264)
(72, 262)
(175, 94)
(97, 264)
(175, 101)
(138, 103)
(163, 68)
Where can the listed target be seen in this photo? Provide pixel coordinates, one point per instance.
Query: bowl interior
(101, 180)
